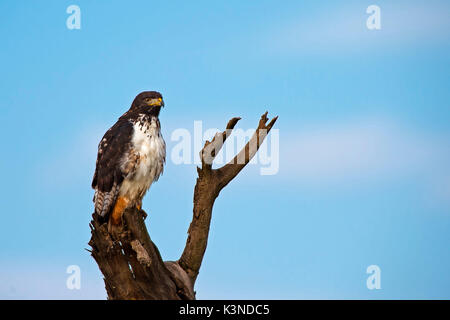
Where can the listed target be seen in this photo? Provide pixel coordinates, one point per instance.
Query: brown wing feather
(109, 174)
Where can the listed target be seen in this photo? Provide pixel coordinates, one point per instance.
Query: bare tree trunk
(131, 263)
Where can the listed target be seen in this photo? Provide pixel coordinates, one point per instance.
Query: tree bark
(131, 263)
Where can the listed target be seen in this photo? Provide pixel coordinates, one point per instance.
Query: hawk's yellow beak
(157, 102)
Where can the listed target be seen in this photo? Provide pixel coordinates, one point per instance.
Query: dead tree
(131, 263)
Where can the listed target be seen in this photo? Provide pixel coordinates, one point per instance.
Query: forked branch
(209, 184)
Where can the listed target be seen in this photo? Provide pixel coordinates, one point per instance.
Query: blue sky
(364, 141)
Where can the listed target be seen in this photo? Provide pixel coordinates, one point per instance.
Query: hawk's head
(148, 99)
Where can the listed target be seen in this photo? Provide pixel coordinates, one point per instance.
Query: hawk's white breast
(149, 151)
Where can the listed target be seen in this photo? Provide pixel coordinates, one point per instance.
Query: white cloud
(369, 149)
(366, 150)
(342, 29)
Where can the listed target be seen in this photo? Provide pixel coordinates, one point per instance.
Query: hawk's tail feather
(104, 201)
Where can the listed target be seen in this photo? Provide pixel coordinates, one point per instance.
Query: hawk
(131, 156)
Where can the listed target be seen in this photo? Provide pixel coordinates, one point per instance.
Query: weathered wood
(130, 262)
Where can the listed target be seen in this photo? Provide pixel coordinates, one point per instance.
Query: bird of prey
(131, 156)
